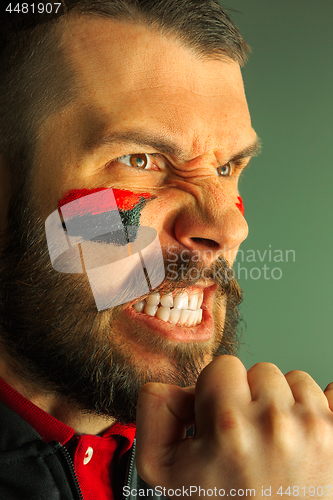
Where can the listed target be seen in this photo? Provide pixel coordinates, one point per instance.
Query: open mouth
(180, 316)
(178, 308)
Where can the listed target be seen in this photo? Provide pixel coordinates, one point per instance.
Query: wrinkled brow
(163, 145)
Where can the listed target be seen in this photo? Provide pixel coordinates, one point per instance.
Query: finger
(305, 390)
(222, 390)
(269, 386)
(329, 395)
(163, 412)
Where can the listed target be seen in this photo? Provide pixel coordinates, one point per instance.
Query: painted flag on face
(96, 218)
(98, 232)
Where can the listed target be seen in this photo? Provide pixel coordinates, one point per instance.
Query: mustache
(181, 273)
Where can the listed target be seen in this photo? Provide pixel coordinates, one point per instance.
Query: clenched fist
(253, 430)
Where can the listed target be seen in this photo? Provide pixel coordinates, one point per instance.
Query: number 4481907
(39, 8)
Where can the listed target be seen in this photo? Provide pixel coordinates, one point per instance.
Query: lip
(156, 326)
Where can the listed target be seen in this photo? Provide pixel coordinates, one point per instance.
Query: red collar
(47, 426)
(99, 461)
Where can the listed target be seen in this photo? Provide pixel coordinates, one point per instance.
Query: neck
(54, 405)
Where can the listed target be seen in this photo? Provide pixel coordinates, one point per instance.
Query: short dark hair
(36, 81)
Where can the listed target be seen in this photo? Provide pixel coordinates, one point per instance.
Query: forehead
(134, 77)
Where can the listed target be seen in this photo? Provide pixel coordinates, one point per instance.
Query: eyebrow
(164, 145)
(250, 151)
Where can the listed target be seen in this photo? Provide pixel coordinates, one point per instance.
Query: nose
(210, 222)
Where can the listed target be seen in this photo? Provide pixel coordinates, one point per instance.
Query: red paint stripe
(240, 205)
(126, 200)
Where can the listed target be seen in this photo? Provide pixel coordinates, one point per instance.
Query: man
(143, 97)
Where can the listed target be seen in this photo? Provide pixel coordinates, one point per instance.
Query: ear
(5, 193)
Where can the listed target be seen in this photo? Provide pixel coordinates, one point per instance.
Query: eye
(139, 161)
(225, 170)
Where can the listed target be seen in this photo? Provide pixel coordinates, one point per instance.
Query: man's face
(144, 94)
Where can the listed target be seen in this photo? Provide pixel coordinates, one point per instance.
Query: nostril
(206, 242)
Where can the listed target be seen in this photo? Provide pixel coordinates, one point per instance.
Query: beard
(57, 342)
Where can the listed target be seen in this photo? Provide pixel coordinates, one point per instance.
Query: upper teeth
(184, 308)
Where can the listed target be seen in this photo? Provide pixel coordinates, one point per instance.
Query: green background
(287, 191)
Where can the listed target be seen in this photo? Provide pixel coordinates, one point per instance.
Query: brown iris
(225, 170)
(139, 161)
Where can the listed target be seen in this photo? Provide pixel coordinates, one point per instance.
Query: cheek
(240, 205)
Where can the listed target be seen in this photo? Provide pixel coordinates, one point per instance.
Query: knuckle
(295, 375)
(211, 377)
(263, 367)
(227, 358)
(228, 420)
(303, 386)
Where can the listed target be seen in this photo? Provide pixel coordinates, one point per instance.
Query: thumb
(163, 412)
